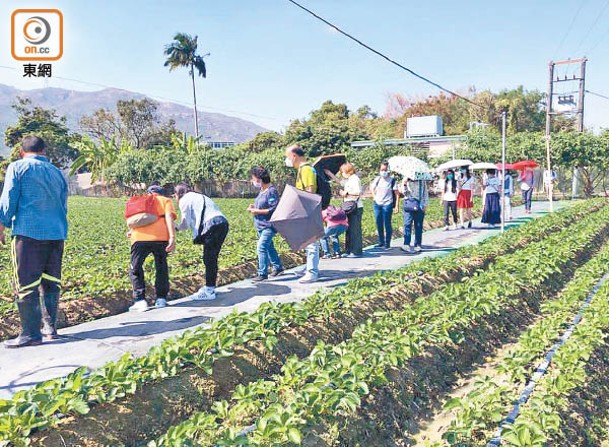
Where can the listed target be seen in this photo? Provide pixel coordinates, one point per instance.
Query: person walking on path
(384, 190)
(158, 239)
(508, 193)
(306, 180)
(527, 181)
(492, 207)
(448, 187)
(416, 199)
(336, 224)
(34, 205)
(209, 228)
(262, 209)
(465, 198)
(351, 193)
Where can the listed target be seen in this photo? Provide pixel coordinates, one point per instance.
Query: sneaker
(353, 255)
(379, 245)
(387, 247)
(259, 278)
(446, 228)
(205, 294)
(336, 256)
(277, 272)
(308, 278)
(454, 227)
(326, 257)
(160, 303)
(406, 248)
(417, 248)
(139, 306)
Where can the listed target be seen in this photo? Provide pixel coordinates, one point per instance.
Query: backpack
(335, 214)
(323, 187)
(141, 211)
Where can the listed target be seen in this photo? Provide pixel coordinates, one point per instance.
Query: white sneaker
(139, 306)
(160, 303)
(406, 248)
(205, 294)
(417, 248)
(308, 278)
(454, 227)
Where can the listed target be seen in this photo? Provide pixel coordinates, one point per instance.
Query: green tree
(34, 120)
(136, 122)
(182, 53)
(97, 158)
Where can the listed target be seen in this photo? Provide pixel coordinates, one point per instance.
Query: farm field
(97, 258)
(368, 363)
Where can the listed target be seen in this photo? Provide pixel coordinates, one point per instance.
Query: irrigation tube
(542, 368)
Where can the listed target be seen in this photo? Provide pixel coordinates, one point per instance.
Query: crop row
(539, 417)
(484, 408)
(39, 407)
(333, 379)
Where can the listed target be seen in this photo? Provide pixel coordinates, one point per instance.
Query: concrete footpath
(95, 343)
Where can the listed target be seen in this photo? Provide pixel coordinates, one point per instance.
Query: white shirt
(353, 187)
(383, 192)
(468, 184)
(447, 194)
(191, 207)
(492, 184)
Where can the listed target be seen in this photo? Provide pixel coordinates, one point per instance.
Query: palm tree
(182, 52)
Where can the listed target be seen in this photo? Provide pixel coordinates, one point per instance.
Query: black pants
(353, 237)
(36, 264)
(212, 243)
(139, 253)
(452, 207)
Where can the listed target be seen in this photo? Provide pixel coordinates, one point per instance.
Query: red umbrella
(508, 166)
(522, 165)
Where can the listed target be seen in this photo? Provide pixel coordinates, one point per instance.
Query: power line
(95, 84)
(387, 58)
(569, 28)
(597, 94)
(598, 17)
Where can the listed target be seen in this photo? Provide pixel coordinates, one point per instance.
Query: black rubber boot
(29, 311)
(50, 303)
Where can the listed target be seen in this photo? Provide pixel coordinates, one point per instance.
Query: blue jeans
(332, 234)
(312, 251)
(527, 198)
(416, 218)
(383, 215)
(267, 252)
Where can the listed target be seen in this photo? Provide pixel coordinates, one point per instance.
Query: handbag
(199, 239)
(349, 206)
(412, 205)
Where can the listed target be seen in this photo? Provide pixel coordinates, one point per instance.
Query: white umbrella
(484, 165)
(410, 167)
(453, 164)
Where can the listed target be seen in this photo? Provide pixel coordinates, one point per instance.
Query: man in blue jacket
(34, 206)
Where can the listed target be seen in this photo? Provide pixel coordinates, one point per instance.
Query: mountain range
(74, 104)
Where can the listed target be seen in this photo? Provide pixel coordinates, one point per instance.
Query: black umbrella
(330, 162)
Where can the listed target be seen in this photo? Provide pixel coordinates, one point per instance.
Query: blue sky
(270, 62)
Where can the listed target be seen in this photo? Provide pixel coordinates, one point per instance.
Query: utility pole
(549, 130)
(564, 100)
(580, 122)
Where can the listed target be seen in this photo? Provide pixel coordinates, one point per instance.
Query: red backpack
(141, 211)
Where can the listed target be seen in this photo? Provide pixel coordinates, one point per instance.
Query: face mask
(288, 162)
(384, 173)
(256, 184)
(449, 176)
